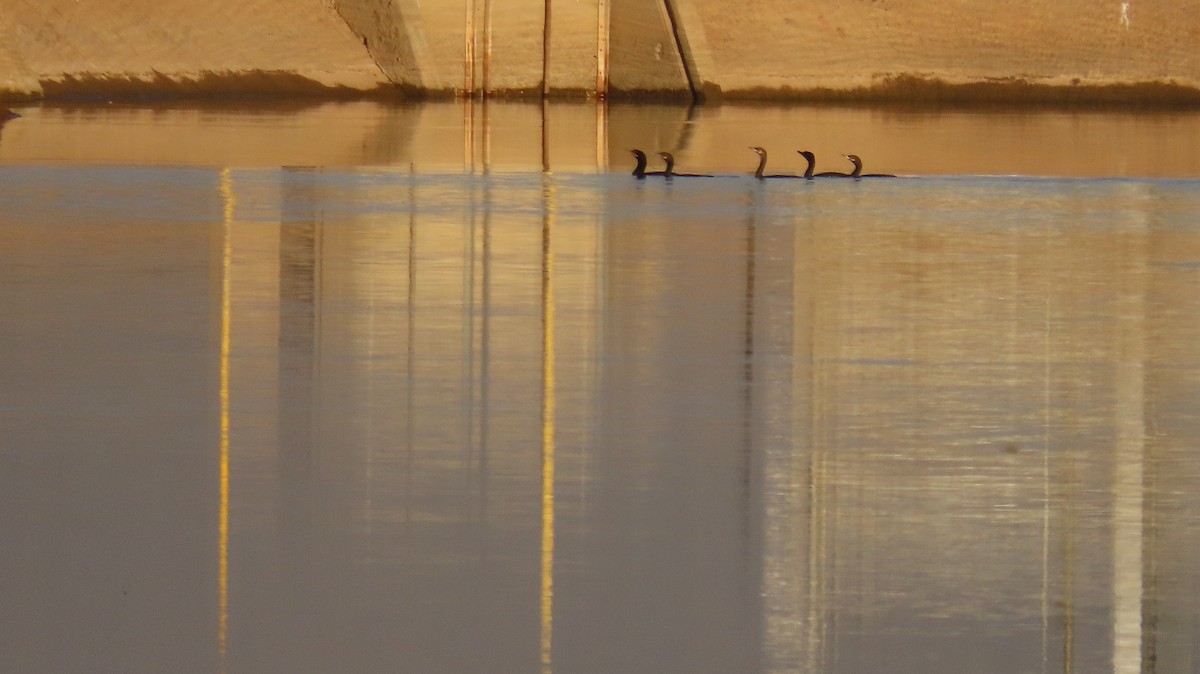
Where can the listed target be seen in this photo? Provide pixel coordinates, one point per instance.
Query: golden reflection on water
(228, 201)
(568, 137)
(972, 296)
(548, 409)
(582, 421)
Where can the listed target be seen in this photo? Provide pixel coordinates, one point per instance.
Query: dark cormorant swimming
(640, 170)
(670, 171)
(812, 162)
(858, 169)
(762, 164)
(834, 174)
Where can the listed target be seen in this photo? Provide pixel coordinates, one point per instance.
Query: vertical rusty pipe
(469, 49)
(486, 85)
(602, 39)
(471, 40)
(546, 48)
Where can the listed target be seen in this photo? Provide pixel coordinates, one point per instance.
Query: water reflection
(476, 136)
(516, 421)
(225, 187)
(829, 445)
(549, 402)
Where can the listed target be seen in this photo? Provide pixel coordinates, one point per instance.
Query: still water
(439, 389)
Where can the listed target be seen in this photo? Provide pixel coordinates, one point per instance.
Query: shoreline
(588, 136)
(902, 91)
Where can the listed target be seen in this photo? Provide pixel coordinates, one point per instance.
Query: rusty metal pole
(486, 85)
(546, 48)
(602, 39)
(469, 49)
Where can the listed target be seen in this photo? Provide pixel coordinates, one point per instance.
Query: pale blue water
(372, 419)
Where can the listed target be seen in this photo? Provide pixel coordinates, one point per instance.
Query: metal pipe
(602, 43)
(486, 85)
(469, 49)
(546, 48)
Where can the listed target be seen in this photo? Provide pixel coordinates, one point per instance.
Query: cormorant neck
(808, 172)
(640, 169)
(762, 164)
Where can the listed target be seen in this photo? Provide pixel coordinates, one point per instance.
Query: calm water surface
(428, 408)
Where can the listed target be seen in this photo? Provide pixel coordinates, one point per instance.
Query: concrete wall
(779, 46)
(1131, 49)
(510, 48)
(106, 47)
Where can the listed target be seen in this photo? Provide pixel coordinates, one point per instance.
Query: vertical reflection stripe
(548, 392)
(1046, 421)
(226, 190)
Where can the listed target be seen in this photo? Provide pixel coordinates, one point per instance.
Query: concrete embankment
(1070, 50)
(107, 48)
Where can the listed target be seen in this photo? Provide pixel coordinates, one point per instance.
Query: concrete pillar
(574, 47)
(388, 36)
(517, 34)
(644, 54)
(572, 59)
(15, 77)
(973, 49)
(143, 47)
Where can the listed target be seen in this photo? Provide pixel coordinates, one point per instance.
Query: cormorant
(834, 174)
(762, 164)
(640, 170)
(812, 162)
(858, 169)
(670, 171)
